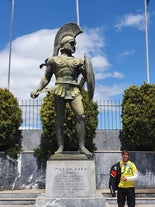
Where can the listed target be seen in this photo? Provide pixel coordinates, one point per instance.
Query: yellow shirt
(127, 170)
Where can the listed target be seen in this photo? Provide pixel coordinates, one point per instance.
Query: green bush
(138, 118)
(10, 121)
(48, 143)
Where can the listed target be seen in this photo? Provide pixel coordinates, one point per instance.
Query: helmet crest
(69, 30)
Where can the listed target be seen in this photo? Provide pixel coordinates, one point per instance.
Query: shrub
(10, 121)
(138, 118)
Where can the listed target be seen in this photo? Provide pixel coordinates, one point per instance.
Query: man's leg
(78, 108)
(59, 121)
(131, 197)
(121, 194)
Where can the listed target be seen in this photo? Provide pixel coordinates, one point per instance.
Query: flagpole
(77, 13)
(146, 39)
(78, 23)
(10, 49)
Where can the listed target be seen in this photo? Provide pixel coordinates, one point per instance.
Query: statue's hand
(34, 94)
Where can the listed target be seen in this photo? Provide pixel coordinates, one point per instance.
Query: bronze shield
(90, 77)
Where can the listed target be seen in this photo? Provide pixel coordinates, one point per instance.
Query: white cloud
(103, 92)
(92, 41)
(102, 69)
(29, 51)
(127, 53)
(100, 62)
(124, 55)
(115, 74)
(131, 20)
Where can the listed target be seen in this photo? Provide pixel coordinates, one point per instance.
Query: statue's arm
(45, 79)
(84, 74)
(89, 77)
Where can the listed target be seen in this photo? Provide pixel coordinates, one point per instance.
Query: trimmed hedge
(138, 118)
(10, 121)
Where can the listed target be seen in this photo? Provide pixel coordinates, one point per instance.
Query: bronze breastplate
(66, 69)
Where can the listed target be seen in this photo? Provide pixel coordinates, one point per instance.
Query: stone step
(144, 197)
(19, 197)
(139, 192)
(26, 198)
(23, 193)
(17, 201)
(16, 205)
(141, 205)
(139, 201)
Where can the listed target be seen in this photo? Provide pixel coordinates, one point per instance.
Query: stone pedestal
(70, 182)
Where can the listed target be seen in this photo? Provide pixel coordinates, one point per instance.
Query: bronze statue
(67, 69)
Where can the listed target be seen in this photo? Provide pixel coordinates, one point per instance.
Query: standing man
(129, 174)
(66, 68)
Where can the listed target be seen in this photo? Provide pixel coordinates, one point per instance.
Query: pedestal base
(43, 201)
(70, 182)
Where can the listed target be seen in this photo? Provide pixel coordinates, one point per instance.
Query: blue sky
(113, 37)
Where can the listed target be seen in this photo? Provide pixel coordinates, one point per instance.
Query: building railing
(31, 114)
(109, 114)
(109, 117)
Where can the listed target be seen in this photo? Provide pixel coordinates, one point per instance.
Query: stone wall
(104, 140)
(8, 171)
(25, 173)
(143, 160)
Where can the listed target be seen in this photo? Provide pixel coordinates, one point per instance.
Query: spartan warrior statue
(67, 69)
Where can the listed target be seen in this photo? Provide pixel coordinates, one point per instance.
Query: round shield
(90, 77)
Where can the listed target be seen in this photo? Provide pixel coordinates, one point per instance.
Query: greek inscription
(70, 180)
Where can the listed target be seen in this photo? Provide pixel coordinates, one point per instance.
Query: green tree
(48, 143)
(138, 118)
(10, 121)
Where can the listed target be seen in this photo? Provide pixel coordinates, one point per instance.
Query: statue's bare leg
(59, 121)
(78, 108)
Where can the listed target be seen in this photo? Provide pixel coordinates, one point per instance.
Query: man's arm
(134, 177)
